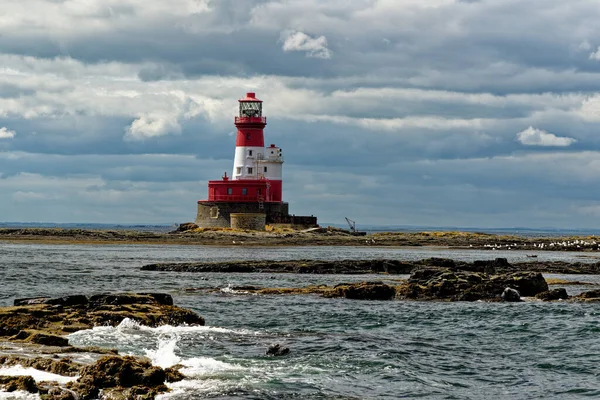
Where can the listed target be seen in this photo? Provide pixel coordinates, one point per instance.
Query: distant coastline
(167, 227)
(329, 236)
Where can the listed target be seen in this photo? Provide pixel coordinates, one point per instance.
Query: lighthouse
(252, 161)
(252, 195)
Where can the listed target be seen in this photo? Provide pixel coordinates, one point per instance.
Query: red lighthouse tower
(255, 185)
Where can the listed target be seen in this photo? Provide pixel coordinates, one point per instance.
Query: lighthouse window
(265, 169)
(238, 170)
(250, 170)
(247, 136)
(244, 191)
(229, 191)
(249, 153)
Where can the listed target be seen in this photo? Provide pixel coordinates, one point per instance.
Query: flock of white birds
(565, 244)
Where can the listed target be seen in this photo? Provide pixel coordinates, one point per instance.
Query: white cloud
(149, 126)
(595, 55)
(538, 137)
(6, 134)
(299, 41)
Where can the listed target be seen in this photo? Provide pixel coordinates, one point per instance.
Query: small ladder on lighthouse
(261, 203)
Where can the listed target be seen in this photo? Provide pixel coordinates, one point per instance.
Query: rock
(58, 393)
(527, 283)
(511, 295)
(69, 300)
(186, 226)
(41, 338)
(554, 294)
(589, 295)
(128, 298)
(277, 350)
(423, 275)
(137, 376)
(364, 291)
(14, 383)
(173, 374)
(161, 298)
(445, 284)
(30, 301)
(64, 366)
(48, 340)
(45, 323)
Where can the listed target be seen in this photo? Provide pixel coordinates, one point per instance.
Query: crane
(351, 224)
(353, 230)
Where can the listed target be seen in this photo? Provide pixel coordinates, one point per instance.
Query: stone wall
(252, 221)
(216, 214)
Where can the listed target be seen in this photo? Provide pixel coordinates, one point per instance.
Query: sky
(473, 113)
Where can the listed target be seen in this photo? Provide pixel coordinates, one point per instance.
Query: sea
(339, 348)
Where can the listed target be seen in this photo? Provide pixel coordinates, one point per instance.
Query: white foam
(18, 395)
(199, 367)
(164, 356)
(188, 388)
(129, 329)
(18, 370)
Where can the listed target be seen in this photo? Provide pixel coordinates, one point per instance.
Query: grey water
(340, 349)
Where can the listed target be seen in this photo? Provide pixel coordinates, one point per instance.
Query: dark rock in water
(445, 284)
(30, 301)
(424, 274)
(130, 298)
(47, 340)
(39, 323)
(69, 300)
(364, 291)
(173, 373)
(131, 376)
(554, 294)
(161, 298)
(14, 383)
(511, 295)
(589, 295)
(277, 350)
(491, 266)
(439, 262)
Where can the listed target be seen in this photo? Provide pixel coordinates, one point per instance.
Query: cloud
(150, 126)
(6, 134)
(538, 137)
(299, 41)
(595, 55)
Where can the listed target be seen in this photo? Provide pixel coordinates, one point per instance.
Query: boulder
(364, 291)
(30, 301)
(137, 376)
(173, 374)
(445, 284)
(589, 295)
(186, 226)
(277, 350)
(511, 295)
(14, 383)
(554, 294)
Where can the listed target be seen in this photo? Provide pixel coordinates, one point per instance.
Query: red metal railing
(231, 197)
(250, 120)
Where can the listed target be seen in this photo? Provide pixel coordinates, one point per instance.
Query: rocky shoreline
(375, 266)
(41, 324)
(314, 237)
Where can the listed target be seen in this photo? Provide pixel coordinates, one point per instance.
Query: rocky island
(189, 234)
